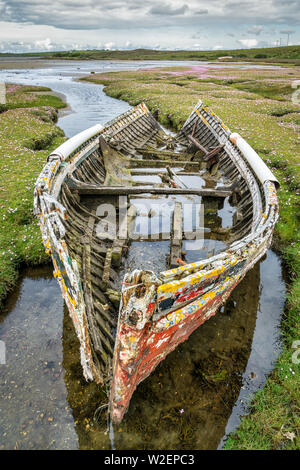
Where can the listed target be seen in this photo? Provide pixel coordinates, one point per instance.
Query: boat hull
(138, 352)
(158, 311)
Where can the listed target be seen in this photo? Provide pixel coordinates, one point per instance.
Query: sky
(43, 25)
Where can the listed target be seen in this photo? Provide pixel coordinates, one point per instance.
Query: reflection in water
(34, 413)
(185, 404)
(187, 401)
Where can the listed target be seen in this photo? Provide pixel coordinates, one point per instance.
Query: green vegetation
(30, 96)
(283, 54)
(257, 104)
(27, 134)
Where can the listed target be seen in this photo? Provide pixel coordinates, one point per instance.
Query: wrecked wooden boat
(130, 214)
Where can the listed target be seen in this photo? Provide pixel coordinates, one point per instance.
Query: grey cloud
(287, 31)
(255, 30)
(166, 9)
(201, 12)
(149, 14)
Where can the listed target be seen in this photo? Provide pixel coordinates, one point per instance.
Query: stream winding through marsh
(191, 401)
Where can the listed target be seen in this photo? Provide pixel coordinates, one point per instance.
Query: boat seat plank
(95, 190)
(148, 163)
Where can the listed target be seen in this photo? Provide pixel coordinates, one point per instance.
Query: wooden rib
(87, 292)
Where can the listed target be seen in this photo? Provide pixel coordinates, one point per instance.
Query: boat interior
(165, 188)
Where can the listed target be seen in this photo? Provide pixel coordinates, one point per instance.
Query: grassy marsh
(27, 134)
(283, 54)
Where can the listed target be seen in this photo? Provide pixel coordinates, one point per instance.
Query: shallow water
(192, 399)
(87, 101)
(45, 403)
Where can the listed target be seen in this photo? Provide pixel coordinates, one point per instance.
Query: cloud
(117, 14)
(255, 30)
(204, 11)
(44, 44)
(248, 42)
(166, 9)
(109, 46)
(175, 24)
(287, 31)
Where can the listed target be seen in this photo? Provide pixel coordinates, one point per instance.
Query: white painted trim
(65, 149)
(260, 169)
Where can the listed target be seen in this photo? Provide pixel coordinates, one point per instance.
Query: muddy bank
(22, 63)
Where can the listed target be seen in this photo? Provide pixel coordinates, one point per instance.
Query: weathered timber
(190, 173)
(93, 190)
(197, 144)
(86, 267)
(107, 266)
(213, 153)
(174, 175)
(143, 163)
(158, 310)
(176, 237)
(168, 154)
(186, 235)
(137, 172)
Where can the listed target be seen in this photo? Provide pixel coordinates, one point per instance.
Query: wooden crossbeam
(95, 190)
(162, 153)
(145, 163)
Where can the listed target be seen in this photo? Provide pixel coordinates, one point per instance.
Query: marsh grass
(257, 104)
(287, 54)
(27, 135)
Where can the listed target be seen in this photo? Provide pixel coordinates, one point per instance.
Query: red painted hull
(153, 347)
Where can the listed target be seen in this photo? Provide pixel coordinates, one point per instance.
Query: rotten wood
(176, 237)
(143, 163)
(168, 154)
(93, 190)
(174, 175)
(87, 291)
(197, 144)
(107, 266)
(213, 153)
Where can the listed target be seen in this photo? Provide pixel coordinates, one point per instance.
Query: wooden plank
(149, 137)
(94, 190)
(162, 153)
(107, 266)
(197, 144)
(174, 175)
(137, 172)
(87, 292)
(145, 163)
(213, 153)
(176, 237)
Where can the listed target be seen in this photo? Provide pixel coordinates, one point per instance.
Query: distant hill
(283, 54)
